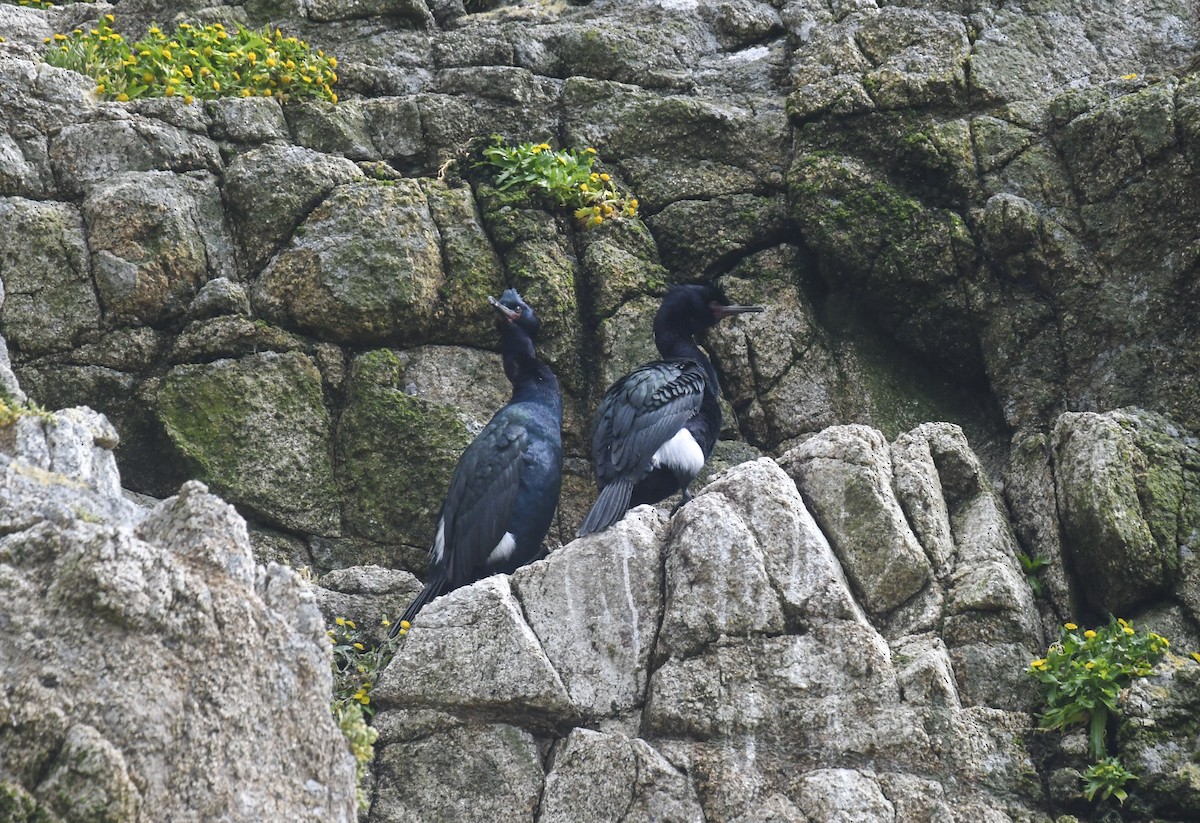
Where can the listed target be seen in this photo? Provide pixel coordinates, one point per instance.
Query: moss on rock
(396, 453)
(257, 431)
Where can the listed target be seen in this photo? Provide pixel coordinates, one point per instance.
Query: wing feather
(482, 492)
(640, 412)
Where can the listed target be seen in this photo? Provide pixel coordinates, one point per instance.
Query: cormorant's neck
(531, 379)
(674, 345)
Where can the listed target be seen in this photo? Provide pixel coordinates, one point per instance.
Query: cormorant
(505, 488)
(657, 426)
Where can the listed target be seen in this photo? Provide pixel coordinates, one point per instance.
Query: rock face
(979, 213)
(769, 682)
(152, 669)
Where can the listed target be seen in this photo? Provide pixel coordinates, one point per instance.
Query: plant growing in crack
(1082, 676)
(563, 176)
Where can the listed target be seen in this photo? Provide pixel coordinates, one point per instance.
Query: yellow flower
(341, 621)
(170, 91)
(266, 93)
(122, 98)
(333, 65)
(333, 98)
(1129, 77)
(245, 92)
(1128, 630)
(633, 203)
(109, 18)
(1089, 634)
(1196, 656)
(100, 89)
(350, 623)
(166, 54)
(187, 98)
(385, 622)
(1037, 664)
(404, 624)
(360, 647)
(270, 62)
(216, 86)
(1070, 627)
(187, 72)
(605, 178)
(251, 57)
(1091, 664)
(583, 187)
(58, 36)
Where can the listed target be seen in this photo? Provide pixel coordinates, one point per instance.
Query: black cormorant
(656, 426)
(506, 485)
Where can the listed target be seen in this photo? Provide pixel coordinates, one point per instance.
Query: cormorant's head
(512, 309)
(694, 308)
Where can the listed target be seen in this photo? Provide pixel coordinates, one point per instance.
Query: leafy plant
(1107, 778)
(195, 63)
(1082, 676)
(565, 177)
(357, 664)
(13, 410)
(1031, 566)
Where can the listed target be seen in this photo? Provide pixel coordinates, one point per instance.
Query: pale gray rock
(438, 667)
(1157, 736)
(597, 610)
(215, 636)
(8, 381)
(848, 468)
(843, 796)
(35, 97)
(469, 772)
(597, 778)
(155, 239)
(25, 167)
(247, 120)
(89, 153)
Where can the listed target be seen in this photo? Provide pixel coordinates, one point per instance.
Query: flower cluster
(195, 63)
(1082, 676)
(357, 663)
(565, 176)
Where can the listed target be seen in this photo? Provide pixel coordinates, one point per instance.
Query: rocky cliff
(983, 213)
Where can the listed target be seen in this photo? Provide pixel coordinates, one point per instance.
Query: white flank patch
(439, 542)
(504, 549)
(681, 454)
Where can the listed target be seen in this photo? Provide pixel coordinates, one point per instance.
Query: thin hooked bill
(721, 312)
(509, 314)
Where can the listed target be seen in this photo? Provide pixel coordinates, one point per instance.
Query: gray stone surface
(108, 602)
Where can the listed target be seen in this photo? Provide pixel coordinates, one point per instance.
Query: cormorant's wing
(640, 412)
(476, 512)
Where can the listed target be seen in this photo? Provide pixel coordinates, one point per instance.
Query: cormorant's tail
(436, 587)
(609, 507)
